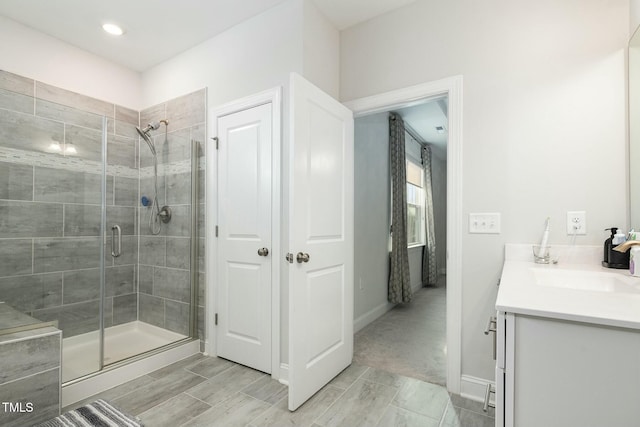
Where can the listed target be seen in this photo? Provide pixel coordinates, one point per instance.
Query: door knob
(263, 251)
(300, 257)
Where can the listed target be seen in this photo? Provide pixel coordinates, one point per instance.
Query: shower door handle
(116, 233)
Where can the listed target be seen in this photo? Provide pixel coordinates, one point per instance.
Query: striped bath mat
(97, 414)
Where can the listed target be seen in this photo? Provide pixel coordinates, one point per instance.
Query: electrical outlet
(576, 222)
(484, 223)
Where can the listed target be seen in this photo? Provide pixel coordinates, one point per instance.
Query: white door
(320, 240)
(244, 260)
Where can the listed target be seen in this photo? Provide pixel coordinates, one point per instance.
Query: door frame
(405, 97)
(273, 97)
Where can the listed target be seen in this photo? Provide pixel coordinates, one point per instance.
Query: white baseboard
(284, 374)
(371, 315)
(474, 388)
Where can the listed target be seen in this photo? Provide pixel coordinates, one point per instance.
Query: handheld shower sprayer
(156, 214)
(144, 133)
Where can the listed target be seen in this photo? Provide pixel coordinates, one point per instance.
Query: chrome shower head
(151, 126)
(144, 133)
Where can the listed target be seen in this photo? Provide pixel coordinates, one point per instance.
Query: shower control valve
(165, 214)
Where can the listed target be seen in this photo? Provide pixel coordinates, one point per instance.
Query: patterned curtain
(399, 283)
(429, 268)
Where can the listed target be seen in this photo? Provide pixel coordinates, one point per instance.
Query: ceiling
(156, 30)
(346, 13)
(423, 119)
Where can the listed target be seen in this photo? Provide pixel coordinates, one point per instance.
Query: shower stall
(99, 227)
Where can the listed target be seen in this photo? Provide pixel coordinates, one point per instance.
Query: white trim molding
(274, 97)
(284, 374)
(451, 87)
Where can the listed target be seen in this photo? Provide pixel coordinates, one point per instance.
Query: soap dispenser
(615, 259)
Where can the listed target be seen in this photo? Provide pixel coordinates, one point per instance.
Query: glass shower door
(121, 231)
(164, 236)
(76, 247)
(52, 195)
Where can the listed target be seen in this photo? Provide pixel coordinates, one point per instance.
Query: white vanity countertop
(577, 288)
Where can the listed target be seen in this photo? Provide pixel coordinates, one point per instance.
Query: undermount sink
(597, 281)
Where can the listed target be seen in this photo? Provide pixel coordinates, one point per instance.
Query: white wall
(543, 117)
(634, 15)
(321, 51)
(253, 56)
(35, 55)
(634, 131)
(372, 217)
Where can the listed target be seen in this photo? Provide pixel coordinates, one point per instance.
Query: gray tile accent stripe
(55, 161)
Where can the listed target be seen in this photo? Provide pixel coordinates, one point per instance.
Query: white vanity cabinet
(552, 372)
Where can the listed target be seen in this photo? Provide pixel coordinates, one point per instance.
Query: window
(415, 204)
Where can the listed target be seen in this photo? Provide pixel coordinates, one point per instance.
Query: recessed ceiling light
(113, 29)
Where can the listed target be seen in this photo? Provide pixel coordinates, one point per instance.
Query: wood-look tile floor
(209, 391)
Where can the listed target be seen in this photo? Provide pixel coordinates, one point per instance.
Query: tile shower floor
(81, 352)
(209, 391)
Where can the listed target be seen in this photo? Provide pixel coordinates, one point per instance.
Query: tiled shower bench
(29, 368)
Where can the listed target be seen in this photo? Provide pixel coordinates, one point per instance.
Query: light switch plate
(484, 223)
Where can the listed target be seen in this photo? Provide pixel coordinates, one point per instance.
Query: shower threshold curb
(121, 373)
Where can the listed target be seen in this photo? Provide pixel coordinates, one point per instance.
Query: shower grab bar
(116, 232)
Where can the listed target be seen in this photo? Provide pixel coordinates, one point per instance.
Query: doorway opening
(409, 339)
(367, 307)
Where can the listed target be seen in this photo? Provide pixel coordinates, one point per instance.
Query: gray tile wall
(164, 278)
(50, 205)
(50, 208)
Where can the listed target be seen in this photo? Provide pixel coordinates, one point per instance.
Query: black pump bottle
(614, 259)
(607, 245)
